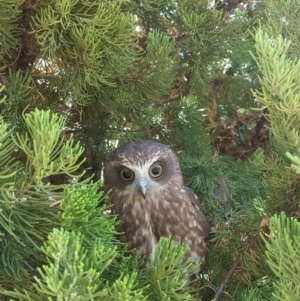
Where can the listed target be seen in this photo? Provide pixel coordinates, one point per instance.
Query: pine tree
(215, 80)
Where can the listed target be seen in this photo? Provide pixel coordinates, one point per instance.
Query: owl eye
(155, 170)
(126, 174)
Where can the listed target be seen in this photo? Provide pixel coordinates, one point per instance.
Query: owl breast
(136, 224)
(144, 221)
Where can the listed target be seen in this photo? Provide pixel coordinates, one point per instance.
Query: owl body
(150, 200)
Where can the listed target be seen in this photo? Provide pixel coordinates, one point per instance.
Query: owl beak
(143, 188)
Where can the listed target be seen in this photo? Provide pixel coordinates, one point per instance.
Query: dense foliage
(218, 81)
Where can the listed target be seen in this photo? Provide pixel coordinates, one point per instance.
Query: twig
(220, 289)
(240, 133)
(226, 192)
(224, 283)
(55, 203)
(25, 109)
(18, 55)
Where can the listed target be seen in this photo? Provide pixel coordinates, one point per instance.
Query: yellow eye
(155, 170)
(126, 174)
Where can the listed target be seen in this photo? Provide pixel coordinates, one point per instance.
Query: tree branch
(220, 289)
(225, 282)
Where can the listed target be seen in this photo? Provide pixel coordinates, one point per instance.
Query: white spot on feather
(195, 258)
(188, 241)
(145, 232)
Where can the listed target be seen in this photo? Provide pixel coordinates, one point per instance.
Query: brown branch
(28, 185)
(18, 55)
(226, 192)
(223, 285)
(220, 289)
(126, 131)
(55, 203)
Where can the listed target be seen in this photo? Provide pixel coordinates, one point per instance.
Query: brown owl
(150, 200)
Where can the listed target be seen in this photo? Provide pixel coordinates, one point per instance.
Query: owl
(150, 200)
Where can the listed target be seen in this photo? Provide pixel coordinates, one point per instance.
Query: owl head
(140, 167)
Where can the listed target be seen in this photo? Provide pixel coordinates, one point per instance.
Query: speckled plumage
(151, 207)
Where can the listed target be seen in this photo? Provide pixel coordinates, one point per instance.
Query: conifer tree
(216, 80)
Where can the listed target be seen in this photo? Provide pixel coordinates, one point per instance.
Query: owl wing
(201, 217)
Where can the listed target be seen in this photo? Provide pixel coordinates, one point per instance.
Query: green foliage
(279, 95)
(168, 277)
(296, 162)
(76, 272)
(205, 29)
(73, 272)
(84, 76)
(80, 33)
(281, 19)
(280, 87)
(20, 214)
(283, 256)
(17, 97)
(22, 184)
(67, 254)
(46, 152)
(9, 16)
(126, 288)
(251, 295)
(160, 62)
(7, 165)
(77, 205)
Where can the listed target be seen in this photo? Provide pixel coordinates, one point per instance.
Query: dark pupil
(127, 174)
(156, 170)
